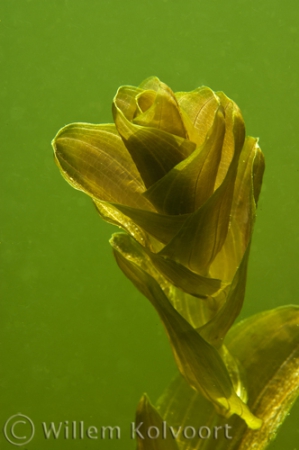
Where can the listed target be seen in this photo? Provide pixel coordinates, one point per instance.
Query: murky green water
(78, 342)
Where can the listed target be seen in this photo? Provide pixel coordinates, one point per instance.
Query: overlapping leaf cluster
(178, 175)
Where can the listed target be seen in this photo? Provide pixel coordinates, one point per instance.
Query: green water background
(78, 342)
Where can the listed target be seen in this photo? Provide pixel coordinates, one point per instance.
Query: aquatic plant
(178, 175)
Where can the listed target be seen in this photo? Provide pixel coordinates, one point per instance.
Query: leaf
(126, 101)
(203, 234)
(151, 83)
(184, 279)
(195, 310)
(154, 151)
(111, 214)
(93, 159)
(267, 345)
(151, 431)
(243, 211)
(190, 183)
(159, 109)
(199, 362)
(271, 350)
(215, 330)
(198, 108)
(258, 172)
(163, 227)
(234, 135)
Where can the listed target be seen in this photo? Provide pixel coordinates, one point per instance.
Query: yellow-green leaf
(234, 135)
(159, 109)
(215, 330)
(243, 211)
(113, 215)
(203, 234)
(154, 151)
(198, 361)
(189, 184)
(188, 281)
(267, 345)
(198, 108)
(93, 159)
(163, 227)
(151, 432)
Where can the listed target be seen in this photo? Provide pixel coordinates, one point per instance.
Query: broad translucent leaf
(188, 281)
(154, 151)
(152, 433)
(189, 184)
(204, 233)
(215, 330)
(194, 310)
(163, 227)
(111, 214)
(126, 101)
(160, 111)
(243, 211)
(234, 135)
(93, 159)
(198, 361)
(198, 108)
(267, 345)
(151, 83)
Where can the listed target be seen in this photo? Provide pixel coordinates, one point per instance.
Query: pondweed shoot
(178, 175)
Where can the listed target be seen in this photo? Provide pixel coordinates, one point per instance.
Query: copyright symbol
(19, 429)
